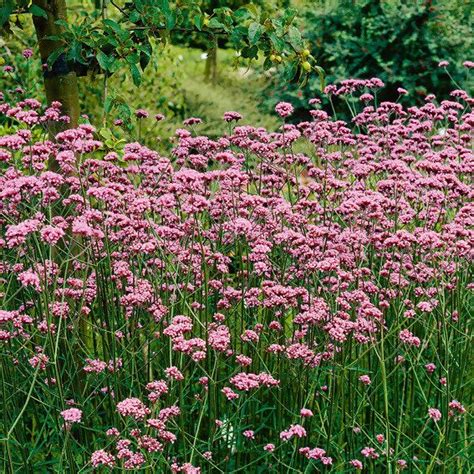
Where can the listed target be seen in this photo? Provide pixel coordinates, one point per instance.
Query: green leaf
(108, 104)
(170, 18)
(253, 10)
(267, 64)
(103, 60)
(63, 23)
(198, 22)
(255, 32)
(106, 133)
(118, 30)
(294, 37)
(289, 15)
(136, 76)
(278, 26)
(132, 58)
(277, 42)
(55, 55)
(6, 11)
(35, 10)
(215, 23)
(250, 53)
(138, 4)
(290, 71)
(124, 112)
(145, 58)
(74, 52)
(242, 14)
(134, 16)
(321, 74)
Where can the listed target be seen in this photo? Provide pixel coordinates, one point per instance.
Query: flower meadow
(266, 301)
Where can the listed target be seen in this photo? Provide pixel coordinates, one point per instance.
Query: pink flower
(292, 431)
(102, 458)
(284, 109)
(355, 463)
(365, 379)
(232, 116)
(192, 121)
(133, 407)
(39, 360)
(468, 64)
(249, 434)
(94, 366)
(408, 338)
(174, 373)
(112, 432)
(72, 415)
(369, 453)
(430, 368)
(27, 53)
(243, 360)
(284, 259)
(30, 278)
(141, 113)
(315, 453)
(366, 97)
(434, 414)
(402, 464)
(51, 234)
(229, 393)
(456, 406)
(443, 64)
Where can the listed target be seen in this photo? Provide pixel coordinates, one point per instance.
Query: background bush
(399, 42)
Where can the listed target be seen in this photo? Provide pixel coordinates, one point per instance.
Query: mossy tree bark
(210, 71)
(60, 83)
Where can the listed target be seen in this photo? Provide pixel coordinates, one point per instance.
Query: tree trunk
(59, 82)
(210, 70)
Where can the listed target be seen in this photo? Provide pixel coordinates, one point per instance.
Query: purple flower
(284, 109)
(141, 113)
(231, 116)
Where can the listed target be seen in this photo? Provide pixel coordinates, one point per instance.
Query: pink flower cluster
(245, 276)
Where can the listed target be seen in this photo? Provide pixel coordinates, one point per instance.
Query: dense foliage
(106, 36)
(239, 305)
(402, 43)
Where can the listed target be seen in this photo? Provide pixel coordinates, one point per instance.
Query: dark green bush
(399, 42)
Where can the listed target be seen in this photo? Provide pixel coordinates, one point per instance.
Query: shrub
(239, 305)
(398, 42)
